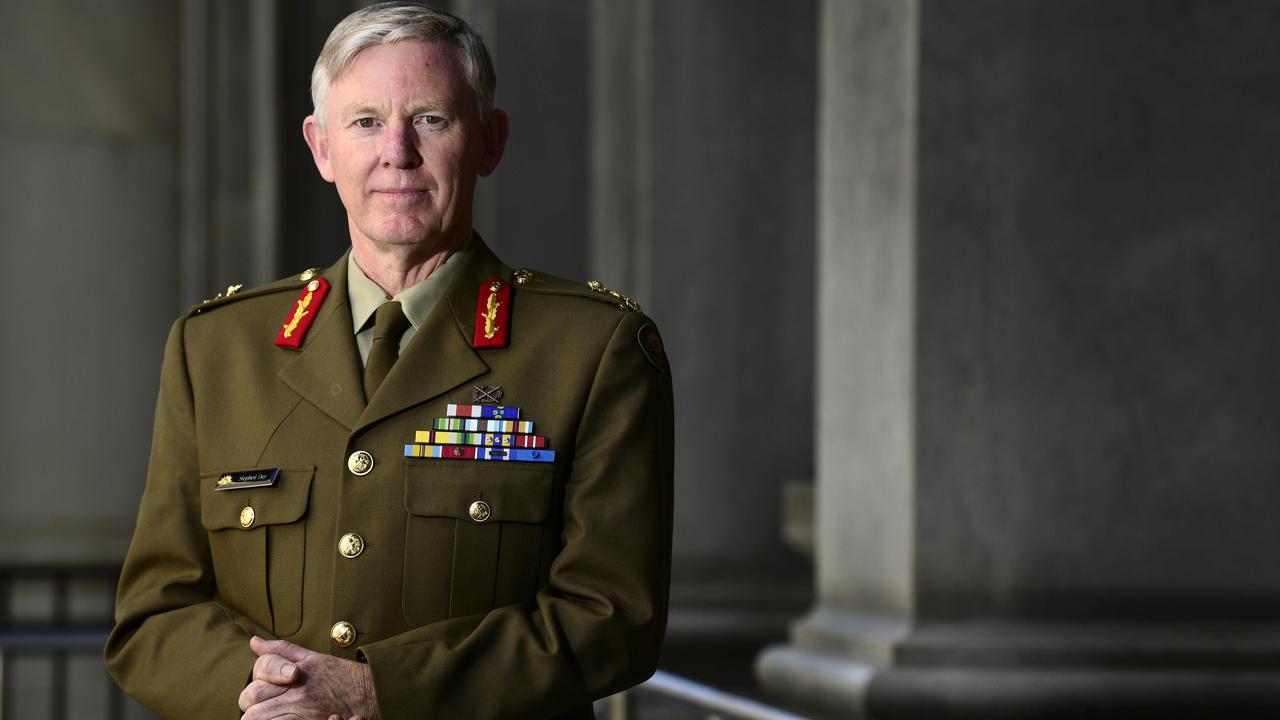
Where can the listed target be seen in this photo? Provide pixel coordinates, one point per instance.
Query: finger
(258, 691)
(274, 669)
(285, 649)
(276, 708)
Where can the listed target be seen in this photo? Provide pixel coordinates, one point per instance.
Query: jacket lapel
(440, 356)
(326, 371)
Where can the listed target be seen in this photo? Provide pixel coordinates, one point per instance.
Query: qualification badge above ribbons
(480, 432)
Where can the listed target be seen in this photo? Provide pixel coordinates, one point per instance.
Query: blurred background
(971, 308)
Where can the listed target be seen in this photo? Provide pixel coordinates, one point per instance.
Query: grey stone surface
(541, 186)
(1098, 692)
(620, 190)
(733, 272)
(87, 259)
(866, 305)
(1096, 356)
(1091, 414)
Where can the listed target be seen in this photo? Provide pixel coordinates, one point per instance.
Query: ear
(319, 144)
(496, 129)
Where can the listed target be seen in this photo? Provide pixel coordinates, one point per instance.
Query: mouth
(402, 195)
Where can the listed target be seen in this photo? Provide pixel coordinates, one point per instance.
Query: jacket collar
(327, 371)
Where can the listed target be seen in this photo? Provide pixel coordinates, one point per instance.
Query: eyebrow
(358, 110)
(367, 109)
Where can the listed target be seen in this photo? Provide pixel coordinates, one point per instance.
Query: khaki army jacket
(554, 595)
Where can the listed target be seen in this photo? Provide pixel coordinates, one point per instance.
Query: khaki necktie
(389, 324)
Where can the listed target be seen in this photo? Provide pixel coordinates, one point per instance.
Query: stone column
(701, 207)
(89, 142)
(865, 419)
(1046, 379)
(620, 191)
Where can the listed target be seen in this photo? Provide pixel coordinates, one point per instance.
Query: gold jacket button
(350, 545)
(342, 633)
(307, 274)
(479, 511)
(246, 516)
(360, 463)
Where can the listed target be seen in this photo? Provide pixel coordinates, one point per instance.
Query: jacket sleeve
(165, 605)
(597, 627)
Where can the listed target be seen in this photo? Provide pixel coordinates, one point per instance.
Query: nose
(400, 146)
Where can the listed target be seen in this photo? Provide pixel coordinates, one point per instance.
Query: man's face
(403, 141)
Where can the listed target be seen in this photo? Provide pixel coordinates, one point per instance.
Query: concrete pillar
(87, 268)
(701, 177)
(1046, 412)
(620, 191)
(732, 289)
(865, 419)
(231, 151)
(88, 259)
(532, 210)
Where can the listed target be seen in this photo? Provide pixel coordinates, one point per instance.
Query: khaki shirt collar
(416, 301)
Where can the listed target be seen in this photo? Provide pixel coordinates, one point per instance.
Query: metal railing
(50, 616)
(671, 697)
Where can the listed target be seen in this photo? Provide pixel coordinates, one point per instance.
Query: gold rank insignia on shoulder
(243, 479)
(622, 301)
(231, 290)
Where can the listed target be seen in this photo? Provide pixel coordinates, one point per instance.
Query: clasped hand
(293, 683)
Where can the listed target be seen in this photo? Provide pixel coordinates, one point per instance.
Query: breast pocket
(258, 538)
(476, 535)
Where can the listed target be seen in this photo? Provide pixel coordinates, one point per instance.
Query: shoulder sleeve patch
(651, 345)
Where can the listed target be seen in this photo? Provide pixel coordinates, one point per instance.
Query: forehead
(407, 67)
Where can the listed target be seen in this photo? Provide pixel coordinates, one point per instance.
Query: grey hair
(392, 22)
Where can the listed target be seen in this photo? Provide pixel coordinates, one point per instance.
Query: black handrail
(56, 634)
(703, 700)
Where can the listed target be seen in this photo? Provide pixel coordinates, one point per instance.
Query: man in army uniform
(418, 483)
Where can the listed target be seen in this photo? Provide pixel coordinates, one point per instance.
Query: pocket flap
(512, 492)
(284, 502)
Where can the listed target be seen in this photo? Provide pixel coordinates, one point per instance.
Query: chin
(403, 231)
(402, 240)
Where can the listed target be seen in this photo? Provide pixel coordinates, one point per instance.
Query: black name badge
(243, 479)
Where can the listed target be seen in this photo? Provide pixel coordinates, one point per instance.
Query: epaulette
(538, 282)
(235, 292)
